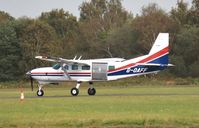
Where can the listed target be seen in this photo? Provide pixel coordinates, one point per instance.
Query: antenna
(75, 57)
(80, 58)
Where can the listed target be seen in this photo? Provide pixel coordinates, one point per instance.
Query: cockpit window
(56, 66)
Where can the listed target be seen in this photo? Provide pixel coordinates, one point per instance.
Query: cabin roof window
(86, 67)
(74, 67)
(56, 66)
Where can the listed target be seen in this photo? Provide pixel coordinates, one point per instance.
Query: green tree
(67, 29)
(37, 38)
(10, 52)
(194, 69)
(194, 13)
(150, 23)
(181, 13)
(186, 48)
(107, 14)
(180, 68)
(122, 42)
(5, 17)
(97, 19)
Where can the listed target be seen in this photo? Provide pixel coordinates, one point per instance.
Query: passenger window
(85, 67)
(74, 67)
(111, 67)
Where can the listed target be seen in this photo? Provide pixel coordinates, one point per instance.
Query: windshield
(56, 66)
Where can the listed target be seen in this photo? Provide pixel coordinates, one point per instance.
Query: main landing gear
(91, 90)
(75, 90)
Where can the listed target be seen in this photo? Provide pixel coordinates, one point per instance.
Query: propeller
(31, 79)
(31, 82)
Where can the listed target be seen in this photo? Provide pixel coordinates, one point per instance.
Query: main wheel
(74, 91)
(40, 93)
(91, 91)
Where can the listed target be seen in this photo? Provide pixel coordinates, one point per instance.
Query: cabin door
(99, 71)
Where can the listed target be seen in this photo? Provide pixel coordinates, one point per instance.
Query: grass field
(145, 106)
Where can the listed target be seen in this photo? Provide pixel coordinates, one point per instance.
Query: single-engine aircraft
(106, 69)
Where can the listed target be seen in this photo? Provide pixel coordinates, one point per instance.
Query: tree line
(104, 29)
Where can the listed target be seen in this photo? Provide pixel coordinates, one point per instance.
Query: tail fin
(160, 50)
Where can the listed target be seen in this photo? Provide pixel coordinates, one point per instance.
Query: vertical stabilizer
(160, 49)
(161, 42)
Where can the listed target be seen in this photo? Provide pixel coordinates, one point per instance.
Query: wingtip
(171, 65)
(38, 57)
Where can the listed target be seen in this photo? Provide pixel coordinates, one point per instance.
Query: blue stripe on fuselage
(161, 60)
(143, 69)
(137, 70)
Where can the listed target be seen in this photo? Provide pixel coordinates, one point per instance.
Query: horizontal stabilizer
(154, 64)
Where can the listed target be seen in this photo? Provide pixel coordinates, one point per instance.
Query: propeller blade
(31, 82)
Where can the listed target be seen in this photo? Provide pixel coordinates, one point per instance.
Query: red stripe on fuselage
(60, 73)
(161, 52)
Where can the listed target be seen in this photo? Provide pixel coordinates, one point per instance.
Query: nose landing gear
(40, 92)
(75, 91)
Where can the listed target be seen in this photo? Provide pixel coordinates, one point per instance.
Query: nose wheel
(74, 91)
(40, 92)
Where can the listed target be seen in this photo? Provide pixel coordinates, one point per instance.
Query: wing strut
(65, 72)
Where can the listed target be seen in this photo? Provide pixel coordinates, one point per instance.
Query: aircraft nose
(28, 73)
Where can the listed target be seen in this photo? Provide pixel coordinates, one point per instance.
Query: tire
(91, 91)
(40, 93)
(74, 91)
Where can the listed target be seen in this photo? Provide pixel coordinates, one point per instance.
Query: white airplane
(106, 69)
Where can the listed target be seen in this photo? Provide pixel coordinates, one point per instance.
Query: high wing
(61, 60)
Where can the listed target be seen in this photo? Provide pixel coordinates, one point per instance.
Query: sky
(33, 8)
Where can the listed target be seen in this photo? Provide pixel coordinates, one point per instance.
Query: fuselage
(98, 69)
